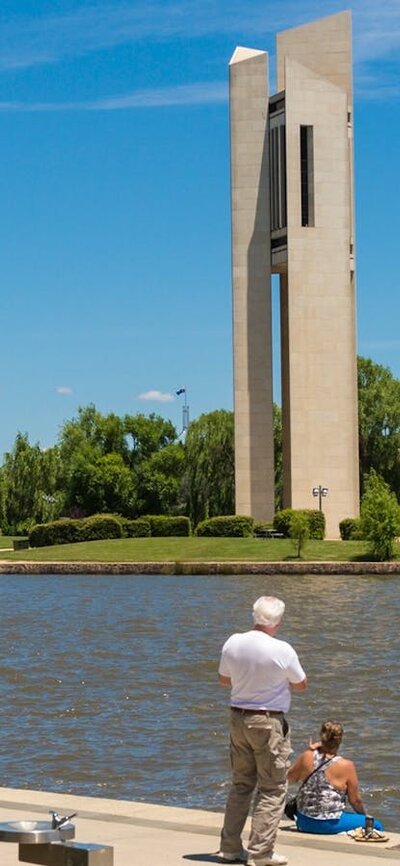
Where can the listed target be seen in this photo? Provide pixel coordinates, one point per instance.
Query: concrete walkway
(144, 834)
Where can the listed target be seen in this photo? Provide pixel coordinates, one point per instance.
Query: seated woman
(321, 800)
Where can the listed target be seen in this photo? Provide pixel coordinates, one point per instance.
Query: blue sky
(114, 167)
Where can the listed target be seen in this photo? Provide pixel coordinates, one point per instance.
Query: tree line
(132, 465)
(135, 465)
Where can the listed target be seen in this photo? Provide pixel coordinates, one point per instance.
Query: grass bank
(193, 549)
(6, 541)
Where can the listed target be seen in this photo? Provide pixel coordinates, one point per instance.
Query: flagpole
(185, 413)
(185, 409)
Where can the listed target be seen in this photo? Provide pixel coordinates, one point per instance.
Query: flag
(180, 391)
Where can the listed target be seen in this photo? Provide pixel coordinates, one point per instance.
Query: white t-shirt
(261, 669)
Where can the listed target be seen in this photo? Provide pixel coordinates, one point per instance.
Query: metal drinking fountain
(48, 843)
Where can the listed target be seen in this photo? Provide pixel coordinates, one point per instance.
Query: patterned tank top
(318, 798)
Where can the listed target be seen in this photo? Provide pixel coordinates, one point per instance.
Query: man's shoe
(274, 860)
(232, 858)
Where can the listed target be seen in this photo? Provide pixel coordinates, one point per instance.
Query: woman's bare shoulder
(346, 766)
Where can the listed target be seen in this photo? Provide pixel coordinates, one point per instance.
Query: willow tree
(30, 485)
(209, 480)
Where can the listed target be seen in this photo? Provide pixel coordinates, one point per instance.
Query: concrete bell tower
(293, 215)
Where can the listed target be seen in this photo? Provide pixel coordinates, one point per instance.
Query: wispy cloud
(370, 84)
(188, 94)
(28, 41)
(64, 390)
(98, 27)
(157, 397)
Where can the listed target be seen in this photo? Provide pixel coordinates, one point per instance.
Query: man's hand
(224, 681)
(299, 687)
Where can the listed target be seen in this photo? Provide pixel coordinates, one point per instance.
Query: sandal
(359, 835)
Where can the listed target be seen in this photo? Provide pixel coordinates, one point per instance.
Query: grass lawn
(200, 549)
(6, 541)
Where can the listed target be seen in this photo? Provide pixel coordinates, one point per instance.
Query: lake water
(109, 688)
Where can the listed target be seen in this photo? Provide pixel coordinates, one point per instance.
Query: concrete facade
(251, 267)
(301, 224)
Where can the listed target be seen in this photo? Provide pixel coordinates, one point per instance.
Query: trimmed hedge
(350, 529)
(64, 531)
(282, 521)
(316, 521)
(101, 526)
(161, 525)
(139, 528)
(261, 527)
(232, 526)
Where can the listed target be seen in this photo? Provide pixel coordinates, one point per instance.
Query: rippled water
(108, 685)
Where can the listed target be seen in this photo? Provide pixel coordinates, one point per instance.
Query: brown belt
(258, 712)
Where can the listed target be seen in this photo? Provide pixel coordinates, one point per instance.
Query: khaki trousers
(259, 749)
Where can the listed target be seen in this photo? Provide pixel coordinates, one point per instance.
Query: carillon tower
(293, 215)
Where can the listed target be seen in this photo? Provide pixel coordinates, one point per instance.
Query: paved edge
(179, 819)
(189, 567)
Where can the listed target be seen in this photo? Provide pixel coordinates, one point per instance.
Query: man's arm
(299, 687)
(224, 681)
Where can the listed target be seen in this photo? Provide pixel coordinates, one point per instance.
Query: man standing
(261, 671)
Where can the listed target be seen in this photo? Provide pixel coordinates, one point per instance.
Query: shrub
(25, 526)
(232, 526)
(261, 527)
(316, 521)
(101, 526)
(380, 517)
(161, 525)
(139, 528)
(282, 521)
(64, 531)
(350, 529)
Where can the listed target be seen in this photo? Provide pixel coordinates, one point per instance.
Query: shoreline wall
(200, 568)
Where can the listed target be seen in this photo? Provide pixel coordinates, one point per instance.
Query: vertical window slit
(307, 175)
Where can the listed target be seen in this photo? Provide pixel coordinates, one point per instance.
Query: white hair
(268, 610)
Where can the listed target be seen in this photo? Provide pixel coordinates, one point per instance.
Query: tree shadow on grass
(367, 557)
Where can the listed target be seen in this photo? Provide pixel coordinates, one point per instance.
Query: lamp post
(320, 492)
(49, 500)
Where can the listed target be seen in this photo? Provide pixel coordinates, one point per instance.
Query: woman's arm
(353, 790)
(301, 768)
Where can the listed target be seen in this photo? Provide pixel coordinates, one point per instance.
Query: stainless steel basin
(35, 832)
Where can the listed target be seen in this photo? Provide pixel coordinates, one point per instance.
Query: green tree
(92, 435)
(299, 531)
(3, 520)
(380, 517)
(104, 485)
(159, 481)
(210, 471)
(31, 485)
(110, 463)
(21, 473)
(379, 422)
(278, 456)
(146, 435)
